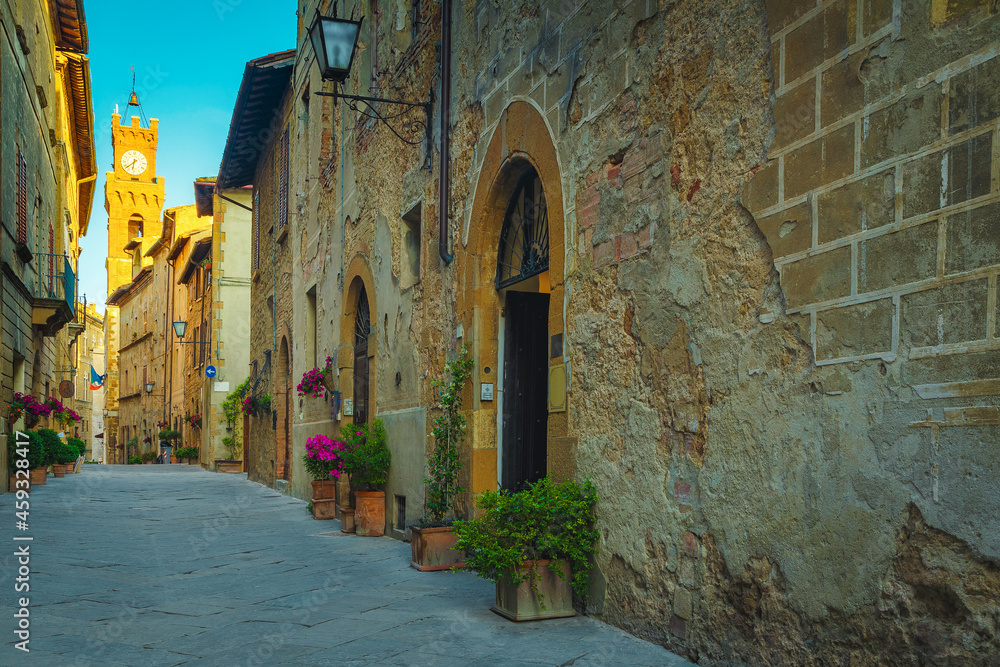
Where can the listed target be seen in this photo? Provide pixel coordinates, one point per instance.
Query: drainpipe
(445, 182)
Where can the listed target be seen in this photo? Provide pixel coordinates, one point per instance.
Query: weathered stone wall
(270, 301)
(354, 183)
(787, 399)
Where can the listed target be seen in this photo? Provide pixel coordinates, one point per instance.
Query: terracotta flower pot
(521, 603)
(12, 483)
(173, 459)
(324, 489)
(369, 515)
(38, 477)
(324, 509)
(347, 520)
(228, 466)
(59, 470)
(432, 549)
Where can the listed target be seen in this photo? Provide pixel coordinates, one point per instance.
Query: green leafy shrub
(548, 521)
(187, 453)
(148, 457)
(65, 453)
(233, 448)
(135, 459)
(169, 434)
(33, 448)
(79, 445)
(51, 442)
(449, 430)
(367, 457)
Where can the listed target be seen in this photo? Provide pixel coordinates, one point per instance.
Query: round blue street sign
(210, 371)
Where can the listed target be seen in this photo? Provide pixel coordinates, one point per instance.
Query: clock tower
(133, 196)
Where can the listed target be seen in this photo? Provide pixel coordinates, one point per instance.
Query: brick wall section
(879, 201)
(272, 284)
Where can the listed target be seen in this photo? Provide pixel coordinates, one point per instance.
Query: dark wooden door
(362, 328)
(525, 389)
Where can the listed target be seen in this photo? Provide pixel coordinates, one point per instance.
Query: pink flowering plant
(28, 405)
(312, 381)
(62, 414)
(195, 420)
(324, 457)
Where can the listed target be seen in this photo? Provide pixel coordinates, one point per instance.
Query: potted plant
(433, 540)
(194, 421)
(65, 456)
(315, 381)
(148, 458)
(535, 545)
(24, 455)
(367, 463)
(132, 445)
(29, 407)
(148, 439)
(51, 442)
(233, 463)
(188, 453)
(81, 450)
(135, 460)
(324, 461)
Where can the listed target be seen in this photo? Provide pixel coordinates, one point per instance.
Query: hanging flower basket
(194, 421)
(316, 381)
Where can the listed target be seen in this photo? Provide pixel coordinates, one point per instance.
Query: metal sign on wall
(67, 388)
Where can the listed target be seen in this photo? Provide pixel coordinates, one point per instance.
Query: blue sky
(188, 57)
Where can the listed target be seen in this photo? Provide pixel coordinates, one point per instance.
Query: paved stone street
(172, 565)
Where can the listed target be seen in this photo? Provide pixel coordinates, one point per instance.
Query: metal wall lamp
(335, 41)
(180, 328)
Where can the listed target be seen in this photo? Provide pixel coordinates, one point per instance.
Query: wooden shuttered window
(256, 229)
(22, 197)
(283, 182)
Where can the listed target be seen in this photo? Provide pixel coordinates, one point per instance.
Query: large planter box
(38, 476)
(432, 550)
(347, 520)
(324, 489)
(520, 603)
(59, 470)
(12, 483)
(369, 513)
(324, 508)
(228, 466)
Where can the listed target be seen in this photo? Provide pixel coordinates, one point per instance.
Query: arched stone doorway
(283, 435)
(512, 302)
(523, 286)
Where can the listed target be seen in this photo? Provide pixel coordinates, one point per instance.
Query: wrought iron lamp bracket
(370, 110)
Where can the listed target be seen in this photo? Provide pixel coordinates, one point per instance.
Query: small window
(22, 197)
(411, 246)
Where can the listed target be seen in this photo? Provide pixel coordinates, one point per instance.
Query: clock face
(133, 162)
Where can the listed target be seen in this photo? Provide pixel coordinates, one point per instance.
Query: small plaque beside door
(486, 391)
(557, 388)
(348, 407)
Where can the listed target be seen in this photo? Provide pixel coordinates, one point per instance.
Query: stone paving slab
(173, 565)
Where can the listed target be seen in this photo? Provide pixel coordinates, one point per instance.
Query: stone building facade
(47, 175)
(140, 359)
(256, 154)
(133, 200)
(89, 402)
(232, 222)
(743, 253)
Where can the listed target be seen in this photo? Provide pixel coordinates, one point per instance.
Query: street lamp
(149, 387)
(335, 41)
(180, 328)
